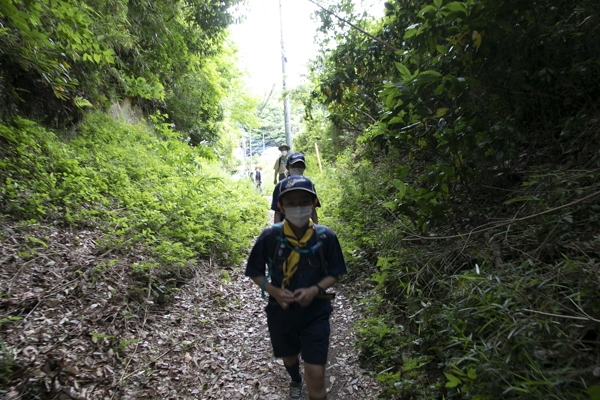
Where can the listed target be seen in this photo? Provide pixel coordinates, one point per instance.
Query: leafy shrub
(144, 190)
(505, 314)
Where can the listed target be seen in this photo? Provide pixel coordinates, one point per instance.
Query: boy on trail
(304, 260)
(279, 166)
(296, 165)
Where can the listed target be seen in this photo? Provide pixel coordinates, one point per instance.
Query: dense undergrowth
(143, 188)
(507, 309)
(466, 190)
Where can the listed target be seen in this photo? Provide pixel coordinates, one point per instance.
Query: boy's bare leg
(314, 376)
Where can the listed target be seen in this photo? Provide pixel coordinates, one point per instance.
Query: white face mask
(298, 216)
(296, 171)
(284, 153)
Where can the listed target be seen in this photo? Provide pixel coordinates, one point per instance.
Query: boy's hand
(284, 297)
(305, 296)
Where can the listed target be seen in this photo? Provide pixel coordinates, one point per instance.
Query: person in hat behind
(299, 307)
(295, 165)
(279, 166)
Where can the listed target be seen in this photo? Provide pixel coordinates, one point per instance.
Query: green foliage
(465, 100)
(48, 36)
(139, 87)
(7, 356)
(9, 320)
(93, 53)
(270, 117)
(7, 364)
(519, 331)
(168, 198)
(468, 142)
(510, 312)
(317, 129)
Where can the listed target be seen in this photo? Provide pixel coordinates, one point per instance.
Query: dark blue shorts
(300, 330)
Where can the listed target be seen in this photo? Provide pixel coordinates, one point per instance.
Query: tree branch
(388, 45)
(483, 228)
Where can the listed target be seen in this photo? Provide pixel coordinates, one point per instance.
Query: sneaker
(295, 391)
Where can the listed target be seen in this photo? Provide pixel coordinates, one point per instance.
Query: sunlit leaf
(81, 102)
(390, 205)
(404, 72)
(471, 373)
(454, 7)
(428, 10)
(476, 39)
(440, 112)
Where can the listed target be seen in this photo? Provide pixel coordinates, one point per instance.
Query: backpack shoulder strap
(276, 234)
(320, 232)
(278, 228)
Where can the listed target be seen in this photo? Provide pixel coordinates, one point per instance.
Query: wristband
(321, 290)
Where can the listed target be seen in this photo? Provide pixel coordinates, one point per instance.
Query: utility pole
(250, 147)
(286, 100)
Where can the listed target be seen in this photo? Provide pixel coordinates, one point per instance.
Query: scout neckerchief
(290, 266)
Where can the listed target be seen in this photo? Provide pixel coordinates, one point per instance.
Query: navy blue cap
(295, 158)
(297, 182)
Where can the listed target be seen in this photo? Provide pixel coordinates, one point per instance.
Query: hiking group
(295, 261)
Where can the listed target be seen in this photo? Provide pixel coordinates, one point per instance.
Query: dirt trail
(229, 354)
(80, 337)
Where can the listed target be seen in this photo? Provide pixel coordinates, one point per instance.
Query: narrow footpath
(214, 344)
(72, 331)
